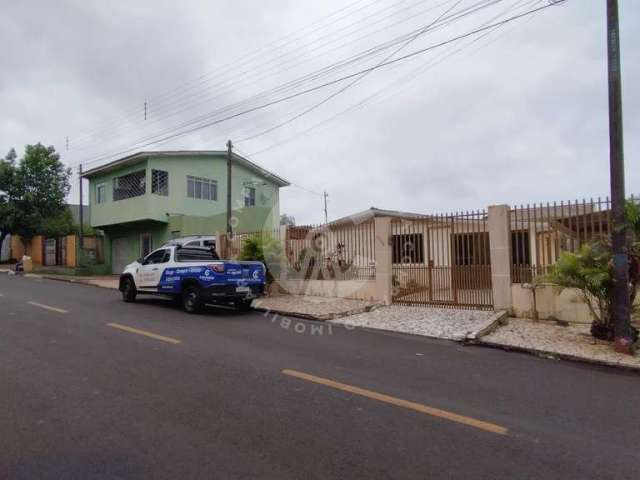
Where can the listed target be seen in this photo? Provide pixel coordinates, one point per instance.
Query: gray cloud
(523, 119)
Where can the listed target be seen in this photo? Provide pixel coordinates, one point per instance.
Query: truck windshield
(196, 255)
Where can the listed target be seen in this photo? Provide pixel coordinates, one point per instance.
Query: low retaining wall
(551, 302)
(355, 289)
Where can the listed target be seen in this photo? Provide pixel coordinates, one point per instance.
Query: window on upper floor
(249, 196)
(129, 186)
(202, 188)
(160, 182)
(101, 193)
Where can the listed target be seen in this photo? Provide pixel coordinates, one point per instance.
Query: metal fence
(541, 232)
(343, 251)
(442, 260)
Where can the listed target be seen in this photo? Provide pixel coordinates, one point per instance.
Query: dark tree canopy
(33, 192)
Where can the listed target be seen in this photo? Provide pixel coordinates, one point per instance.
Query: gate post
(500, 249)
(383, 258)
(222, 245)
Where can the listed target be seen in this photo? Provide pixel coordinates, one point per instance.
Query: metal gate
(50, 251)
(442, 260)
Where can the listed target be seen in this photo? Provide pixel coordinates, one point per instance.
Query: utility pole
(326, 217)
(67, 143)
(81, 212)
(145, 110)
(229, 153)
(620, 302)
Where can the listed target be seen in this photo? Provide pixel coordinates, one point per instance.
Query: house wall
(131, 209)
(160, 233)
(265, 214)
(552, 302)
(267, 198)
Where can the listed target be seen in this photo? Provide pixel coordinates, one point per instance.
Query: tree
(33, 192)
(590, 270)
(287, 219)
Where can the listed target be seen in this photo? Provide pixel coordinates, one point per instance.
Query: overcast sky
(517, 116)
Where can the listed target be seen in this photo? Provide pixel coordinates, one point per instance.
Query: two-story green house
(142, 200)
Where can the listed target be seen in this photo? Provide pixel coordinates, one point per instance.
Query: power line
(237, 64)
(375, 50)
(331, 67)
(352, 83)
(404, 79)
(209, 123)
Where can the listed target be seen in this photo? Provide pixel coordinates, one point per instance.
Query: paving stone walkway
(444, 323)
(547, 338)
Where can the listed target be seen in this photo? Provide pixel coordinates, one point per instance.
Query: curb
(63, 279)
(549, 355)
(498, 319)
(74, 280)
(321, 318)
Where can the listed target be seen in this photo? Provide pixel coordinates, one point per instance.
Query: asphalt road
(91, 387)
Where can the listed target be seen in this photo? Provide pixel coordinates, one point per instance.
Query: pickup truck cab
(194, 276)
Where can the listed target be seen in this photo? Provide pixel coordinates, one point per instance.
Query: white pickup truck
(194, 276)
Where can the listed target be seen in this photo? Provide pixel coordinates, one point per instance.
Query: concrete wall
(356, 289)
(71, 249)
(36, 249)
(17, 248)
(551, 302)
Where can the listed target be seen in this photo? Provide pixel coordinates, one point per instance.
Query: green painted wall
(157, 207)
(176, 214)
(131, 209)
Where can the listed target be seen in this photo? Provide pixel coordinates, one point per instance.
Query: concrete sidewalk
(440, 323)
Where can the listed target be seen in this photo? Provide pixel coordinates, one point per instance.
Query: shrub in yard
(264, 249)
(588, 270)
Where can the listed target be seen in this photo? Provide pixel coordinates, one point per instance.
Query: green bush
(263, 249)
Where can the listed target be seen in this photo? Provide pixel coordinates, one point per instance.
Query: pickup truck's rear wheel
(192, 300)
(129, 291)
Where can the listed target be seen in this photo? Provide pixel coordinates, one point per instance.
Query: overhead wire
(295, 83)
(306, 58)
(404, 79)
(284, 98)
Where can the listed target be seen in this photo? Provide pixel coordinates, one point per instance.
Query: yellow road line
(144, 333)
(48, 307)
(418, 407)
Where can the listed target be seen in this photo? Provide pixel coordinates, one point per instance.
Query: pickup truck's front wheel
(129, 291)
(243, 305)
(192, 300)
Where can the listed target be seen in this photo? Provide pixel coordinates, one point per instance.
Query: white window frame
(249, 200)
(198, 188)
(101, 198)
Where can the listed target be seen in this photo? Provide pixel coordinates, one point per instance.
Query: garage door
(119, 255)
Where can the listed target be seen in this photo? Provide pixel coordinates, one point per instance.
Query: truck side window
(159, 256)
